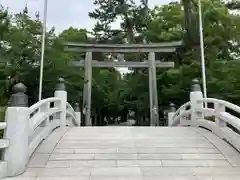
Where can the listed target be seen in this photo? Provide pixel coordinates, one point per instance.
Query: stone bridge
(45, 142)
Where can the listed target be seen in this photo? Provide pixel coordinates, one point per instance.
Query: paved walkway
(133, 153)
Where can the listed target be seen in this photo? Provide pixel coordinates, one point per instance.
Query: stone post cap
(61, 85)
(18, 98)
(172, 107)
(77, 108)
(19, 88)
(196, 85)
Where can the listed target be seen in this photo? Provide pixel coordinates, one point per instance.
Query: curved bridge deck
(133, 153)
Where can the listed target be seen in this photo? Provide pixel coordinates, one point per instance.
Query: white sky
(62, 13)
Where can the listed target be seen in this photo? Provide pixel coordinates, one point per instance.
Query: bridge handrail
(221, 118)
(72, 113)
(37, 105)
(4, 143)
(181, 112)
(222, 115)
(222, 102)
(26, 127)
(42, 112)
(224, 124)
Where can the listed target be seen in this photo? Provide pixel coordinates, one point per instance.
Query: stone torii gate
(151, 49)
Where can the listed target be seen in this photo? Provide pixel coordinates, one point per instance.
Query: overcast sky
(64, 13)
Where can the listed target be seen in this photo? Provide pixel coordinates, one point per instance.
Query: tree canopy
(114, 94)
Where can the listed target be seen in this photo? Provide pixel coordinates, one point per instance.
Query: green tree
(4, 27)
(4, 21)
(133, 17)
(233, 5)
(113, 95)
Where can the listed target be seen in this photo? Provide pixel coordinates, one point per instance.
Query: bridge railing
(4, 143)
(224, 124)
(216, 115)
(73, 118)
(26, 127)
(181, 116)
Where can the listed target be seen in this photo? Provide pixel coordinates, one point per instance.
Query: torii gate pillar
(153, 95)
(87, 90)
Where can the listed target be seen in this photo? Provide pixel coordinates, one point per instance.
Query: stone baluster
(218, 109)
(182, 118)
(44, 108)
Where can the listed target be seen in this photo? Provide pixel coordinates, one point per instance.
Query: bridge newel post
(61, 93)
(17, 119)
(171, 112)
(195, 96)
(78, 113)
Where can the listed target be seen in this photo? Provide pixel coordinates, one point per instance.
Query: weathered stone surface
(66, 172)
(147, 163)
(83, 163)
(55, 157)
(20, 178)
(226, 149)
(197, 163)
(63, 178)
(115, 156)
(32, 172)
(38, 160)
(117, 171)
(48, 145)
(202, 156)
(133, 153)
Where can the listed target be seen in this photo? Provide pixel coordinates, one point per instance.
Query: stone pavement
(133, 153)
